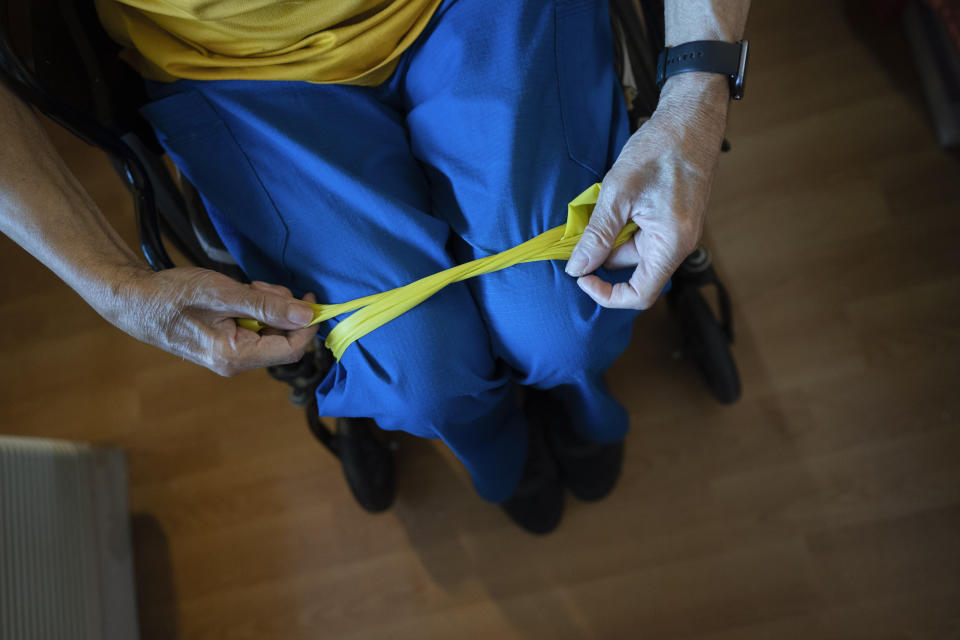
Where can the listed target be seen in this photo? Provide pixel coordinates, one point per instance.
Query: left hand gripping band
(378, 309)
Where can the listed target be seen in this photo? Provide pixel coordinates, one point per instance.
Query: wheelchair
(56, 57)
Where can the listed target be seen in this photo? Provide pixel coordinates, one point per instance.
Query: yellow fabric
(324, 41)
(376, 310)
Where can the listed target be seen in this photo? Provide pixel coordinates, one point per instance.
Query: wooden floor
(825, 504)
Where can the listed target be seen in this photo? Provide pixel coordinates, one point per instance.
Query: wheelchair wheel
(367, 461)
(358, 443)
(704, 338)
(705, 342)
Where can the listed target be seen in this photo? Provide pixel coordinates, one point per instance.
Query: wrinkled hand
(661, 181)
(190, 312)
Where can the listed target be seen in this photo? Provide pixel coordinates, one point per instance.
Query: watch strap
(714, 56)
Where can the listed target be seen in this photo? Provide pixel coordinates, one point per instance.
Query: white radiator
(66, 568)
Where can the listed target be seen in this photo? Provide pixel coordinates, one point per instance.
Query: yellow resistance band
(378, 309)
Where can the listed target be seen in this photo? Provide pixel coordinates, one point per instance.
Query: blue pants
(499, 115)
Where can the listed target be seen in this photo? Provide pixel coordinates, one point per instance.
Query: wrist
(675, 37)
(689, 121)
(711, 90)
(698, 99)
(110, 288)
(689, 20)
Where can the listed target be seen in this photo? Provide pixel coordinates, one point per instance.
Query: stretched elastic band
(376, 310)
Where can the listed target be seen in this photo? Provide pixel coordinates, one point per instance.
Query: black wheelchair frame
(55, 56)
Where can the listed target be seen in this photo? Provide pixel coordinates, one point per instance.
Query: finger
(277, 289)
(277, 311)
(268, 351)
(606, 222)
(235, 349)
(640, 292)
(624, 256)
(599, 290)
(300, 338)
(309, 331)
(297, 342)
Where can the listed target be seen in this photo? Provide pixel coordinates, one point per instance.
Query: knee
(447, 384)
(563, 336)
(428, 367)
(557, 351)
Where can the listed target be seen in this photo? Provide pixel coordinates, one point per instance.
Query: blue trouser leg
(522, 114)
(314, 187)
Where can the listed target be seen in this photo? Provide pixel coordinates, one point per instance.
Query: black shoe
(537, 502)
(367, 463)
(589, 469)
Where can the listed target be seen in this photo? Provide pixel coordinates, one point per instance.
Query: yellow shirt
(326, 41)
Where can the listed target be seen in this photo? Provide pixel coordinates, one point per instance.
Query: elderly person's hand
(190, 312)
(661, 181)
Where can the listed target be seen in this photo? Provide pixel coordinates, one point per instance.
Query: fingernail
(299, 314)
(576, 264)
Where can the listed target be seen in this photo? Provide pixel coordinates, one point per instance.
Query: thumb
(273, 310)
(597, 240)
(658, 260)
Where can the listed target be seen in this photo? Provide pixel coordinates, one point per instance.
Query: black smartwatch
(714, 56)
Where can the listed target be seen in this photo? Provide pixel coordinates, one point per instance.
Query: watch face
(738, 81)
